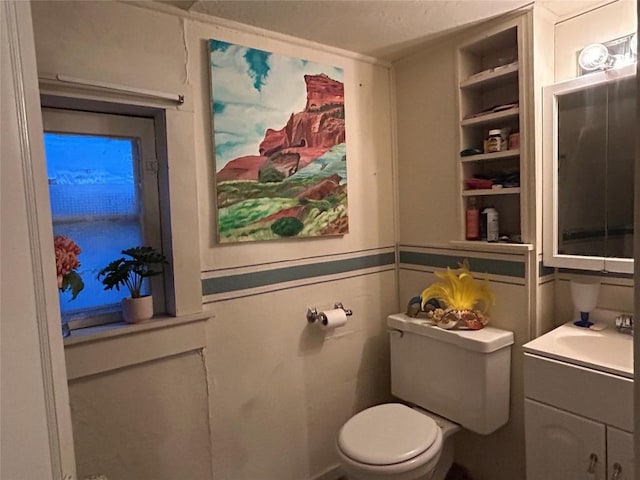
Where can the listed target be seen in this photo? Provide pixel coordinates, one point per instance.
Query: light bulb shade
(633, 45)
(593, 57)
(585, 294)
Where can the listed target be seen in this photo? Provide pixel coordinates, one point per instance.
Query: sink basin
(616, 352)
(605, 350)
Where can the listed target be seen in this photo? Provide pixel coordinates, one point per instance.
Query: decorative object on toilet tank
(143, 262)
(279, 144)
(415, 308)
(465, 301)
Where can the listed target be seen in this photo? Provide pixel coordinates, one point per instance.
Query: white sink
(606, 350)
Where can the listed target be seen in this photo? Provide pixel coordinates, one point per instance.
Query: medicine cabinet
(588, 165)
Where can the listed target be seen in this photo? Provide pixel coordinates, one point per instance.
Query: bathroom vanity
(579, 405)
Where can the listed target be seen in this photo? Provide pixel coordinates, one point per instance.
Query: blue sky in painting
(254, 90)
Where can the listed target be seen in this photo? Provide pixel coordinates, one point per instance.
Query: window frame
(142, 131)
(178, 193)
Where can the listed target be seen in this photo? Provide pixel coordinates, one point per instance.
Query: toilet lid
(387, 434)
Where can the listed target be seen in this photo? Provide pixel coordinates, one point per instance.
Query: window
(103, 187)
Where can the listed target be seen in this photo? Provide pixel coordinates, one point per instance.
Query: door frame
(35, 410)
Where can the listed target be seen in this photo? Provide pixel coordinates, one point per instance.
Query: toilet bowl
(395, 442)
(446, 376)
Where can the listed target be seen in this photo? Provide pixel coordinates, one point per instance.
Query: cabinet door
(562, 446)
(619, 455)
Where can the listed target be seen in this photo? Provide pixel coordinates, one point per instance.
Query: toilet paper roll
(330, 319)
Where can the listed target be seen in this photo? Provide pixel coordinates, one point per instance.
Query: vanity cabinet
(620, 459)
(490, 97)
(561, 445)
(577, 421)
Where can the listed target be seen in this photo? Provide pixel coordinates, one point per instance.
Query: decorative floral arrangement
(464, 301)
(67, 252)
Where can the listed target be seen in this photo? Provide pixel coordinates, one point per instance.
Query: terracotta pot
(136, 310)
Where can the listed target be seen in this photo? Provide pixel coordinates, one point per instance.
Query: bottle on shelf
(472, 220)
(490, 225)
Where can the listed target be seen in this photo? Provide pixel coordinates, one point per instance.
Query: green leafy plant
(144, 262)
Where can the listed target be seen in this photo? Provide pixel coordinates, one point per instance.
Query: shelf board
(484, 157)
(499, 76)
(490, 117)
(494, 247)
(481, 192)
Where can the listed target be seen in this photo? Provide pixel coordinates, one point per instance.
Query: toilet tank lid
(486, 340)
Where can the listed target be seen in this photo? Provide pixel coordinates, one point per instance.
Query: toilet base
(423, 473)
(432, 471)
(446, 460)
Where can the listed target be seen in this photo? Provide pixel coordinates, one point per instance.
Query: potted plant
(143, 262)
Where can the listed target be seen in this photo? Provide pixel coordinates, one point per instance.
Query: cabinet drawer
(596, 395)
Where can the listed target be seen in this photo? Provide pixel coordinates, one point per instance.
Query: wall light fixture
(602, 56)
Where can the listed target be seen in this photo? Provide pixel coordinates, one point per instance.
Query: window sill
(94, 350)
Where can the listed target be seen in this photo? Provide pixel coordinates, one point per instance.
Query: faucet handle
(624, 321)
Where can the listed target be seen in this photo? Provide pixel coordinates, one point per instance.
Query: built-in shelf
(490, 117)
(491, 78)
(484, 157)
(489, 97)
(491, 191)
(494, 247)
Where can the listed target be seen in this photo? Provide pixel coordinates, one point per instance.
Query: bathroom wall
(267, 394)
(608, 22)
(524, 287)
(429, 206)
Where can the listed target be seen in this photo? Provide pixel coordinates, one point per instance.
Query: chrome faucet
(624, 324)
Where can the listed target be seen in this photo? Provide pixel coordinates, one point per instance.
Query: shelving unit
(485, 157)
(491, 118)
(486, 192)
(490, 96)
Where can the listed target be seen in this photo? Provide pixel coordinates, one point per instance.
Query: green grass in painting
(244, 213)
(235, 191)
(243, 206)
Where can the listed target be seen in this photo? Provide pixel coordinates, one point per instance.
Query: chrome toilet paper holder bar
(313, 315)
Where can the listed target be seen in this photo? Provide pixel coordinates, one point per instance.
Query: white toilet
(451, 379)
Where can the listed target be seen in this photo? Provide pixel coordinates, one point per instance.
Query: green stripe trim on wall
(485, 265)
(544, 270)
(594, 273)
(211, 286)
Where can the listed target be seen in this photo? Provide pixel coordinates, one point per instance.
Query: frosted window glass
(96, 202)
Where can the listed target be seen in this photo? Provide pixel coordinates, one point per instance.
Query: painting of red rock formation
(280, 145)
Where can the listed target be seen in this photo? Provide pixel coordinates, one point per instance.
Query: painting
(280, 145)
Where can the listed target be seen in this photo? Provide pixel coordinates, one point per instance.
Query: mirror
(588, 171)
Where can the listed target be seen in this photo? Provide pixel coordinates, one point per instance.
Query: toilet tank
(462, 375)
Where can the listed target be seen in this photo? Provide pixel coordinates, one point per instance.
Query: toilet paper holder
(313, 315)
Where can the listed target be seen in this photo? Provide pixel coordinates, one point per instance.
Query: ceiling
(385, 29)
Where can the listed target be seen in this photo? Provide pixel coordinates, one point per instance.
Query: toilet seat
(390, 439)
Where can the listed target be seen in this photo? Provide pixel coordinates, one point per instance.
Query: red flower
(67, 252)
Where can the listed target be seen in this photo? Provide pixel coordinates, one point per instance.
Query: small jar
(494, 141)
(514, 141)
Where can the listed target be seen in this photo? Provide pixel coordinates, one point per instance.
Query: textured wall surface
(268, 394)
